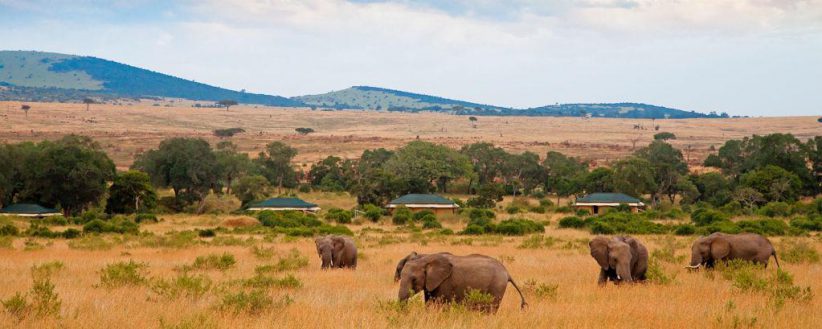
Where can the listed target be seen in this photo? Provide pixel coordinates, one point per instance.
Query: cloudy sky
(745, 57)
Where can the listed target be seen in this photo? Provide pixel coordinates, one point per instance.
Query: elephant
(621, 259)
(444, 277)
(707, 250)
(336, 252)
(412, 255)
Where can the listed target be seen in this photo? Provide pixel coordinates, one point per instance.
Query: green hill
(39, 76)
(364, 97)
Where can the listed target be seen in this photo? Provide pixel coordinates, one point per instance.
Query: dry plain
(362, 298)
(129, 128)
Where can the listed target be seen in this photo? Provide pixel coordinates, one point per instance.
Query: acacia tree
(419, 163)
(26, 108)
(250, 188)
(88, 102)
(563, 173)
(231, 164)
(667, 166)
(304, 131)
(275, 164)
(131, 192)
(633, 176)
(227, 103)
(187, 165)
(488, 162)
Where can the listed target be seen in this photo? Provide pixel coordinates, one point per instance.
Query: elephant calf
(707, 250)
(444, 277)
(621, 259)
(336, 252)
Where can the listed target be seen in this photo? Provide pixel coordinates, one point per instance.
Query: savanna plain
(173, 275)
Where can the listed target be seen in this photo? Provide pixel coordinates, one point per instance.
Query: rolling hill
(39, 76)
(49, 77)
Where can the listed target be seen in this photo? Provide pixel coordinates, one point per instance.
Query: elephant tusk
(694, 266)
(619, 278)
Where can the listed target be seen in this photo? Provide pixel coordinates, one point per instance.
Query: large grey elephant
(445, 277)
(411, 256)
(708, 250)
(620, 258)
(336, 251)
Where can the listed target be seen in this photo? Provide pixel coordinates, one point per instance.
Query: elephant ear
(436, 271)
(599, 250)
(720, 248)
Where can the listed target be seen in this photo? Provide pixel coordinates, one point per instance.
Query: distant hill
(39, 76)
(365, 97)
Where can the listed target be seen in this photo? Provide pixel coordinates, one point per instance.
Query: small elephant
(445, 277)
(707, 250)
(621, 259)
(336, 252)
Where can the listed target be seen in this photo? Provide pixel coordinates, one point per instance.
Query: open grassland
(127, 129)
(554, 268)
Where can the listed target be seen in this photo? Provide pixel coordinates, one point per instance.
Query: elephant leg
(603, 277)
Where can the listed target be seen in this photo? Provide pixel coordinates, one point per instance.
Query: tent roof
(283, 203)
(608, 198)
(421, 199)
(27, 208)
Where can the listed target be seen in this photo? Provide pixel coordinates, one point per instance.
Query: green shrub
(184, 285)
(146, 218)
(9, 230)
(571, 222)
(519, 227)
(290, 262)
(54, 220)
(685, 229)
(338, 215)
(768, 227)
(71, 233)
(625, 222)
(253, 302)
(44, 300)
(287, 219)
(418, 216)
(37, 230)
(372, 212)
(798, 251)
(513, 209)
(46, 270)
(809, 223)
(118, 224)
(656, 273)
(402, 216)
(122, 274)
(775, 209)
(582, 212)
(704, 216)
(538, 209)
(17, 306)
(473, 229)
(564, 209)
(206, 233)
(429, 222)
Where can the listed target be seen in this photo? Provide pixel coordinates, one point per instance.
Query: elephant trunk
(405, 290)
(696, 261)
(624, 273)
(327, 260)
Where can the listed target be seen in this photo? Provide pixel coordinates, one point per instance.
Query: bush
(798, 251)
(206, 233)
(565, 209)
(146, 218)
(704, 216)
(9, 230)
(54, 220)
(518, 227)
(429, 222)
(214, 262)
(122, 274)
(571, 222)
(775, 209)
(118, 224)
(184, 285)
(40, 231)
(514, 209)
(767, 227)
(624, 222)
(402, 216)
(372, 212)
(71, 233)
(538, 209)
(339, 216)
(476, 213)
(685, 229)
(810, 223)
(253, 302)
(472, 229)
(220, 204)
(418, 216)
(287, 219)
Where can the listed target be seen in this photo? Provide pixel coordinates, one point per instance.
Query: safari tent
(28, 210)
(418, 202)
(284, 204)
(597, 203)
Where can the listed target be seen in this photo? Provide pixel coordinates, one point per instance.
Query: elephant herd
(444, 277)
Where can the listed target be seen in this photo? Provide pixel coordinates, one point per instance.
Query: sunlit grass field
(256, 286)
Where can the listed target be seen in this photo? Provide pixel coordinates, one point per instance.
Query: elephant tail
(523, 304)
(775, 259)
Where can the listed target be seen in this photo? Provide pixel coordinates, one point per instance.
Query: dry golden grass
(360, 298)
(125, 130)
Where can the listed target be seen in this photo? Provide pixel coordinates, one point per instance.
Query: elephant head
(401, 265)
(613, 255)
(329, 249)
(424, 274)
(706, 250)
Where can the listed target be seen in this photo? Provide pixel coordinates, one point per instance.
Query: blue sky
(744, 57)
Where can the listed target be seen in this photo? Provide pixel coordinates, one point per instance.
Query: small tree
(304, 131)
(131, 192)
(88, 102)
(26, 109)
(227, 103)
(473, 120)
(663, 136)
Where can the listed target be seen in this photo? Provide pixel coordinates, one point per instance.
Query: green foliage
(402, 216)
(118, 224)
(183, 285)
(775, 209)
(476, 299)
(46, 270)
(9, 230)
(749, 277)
(17, 306)
(146, 218)
(420, 215)
(664, 136)
(339, 216)
(250, 188)
(287, 219)
(775, 183)
(656, 273)
(685, 229)
(372, 212)
(571, 222)
(253, 302)
(430, 222)
(289, 262)
(516, 226)
(228, 132)
(809, 223)
(621, 222)
(187, 165)
(120, 274)
(704, 216)
(131, 192)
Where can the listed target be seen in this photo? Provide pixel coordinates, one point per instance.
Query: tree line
(74, 173)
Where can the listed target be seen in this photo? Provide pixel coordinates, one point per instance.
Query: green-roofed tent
(596, 202)
(28, 210)
(418, 202)
(284, 204)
